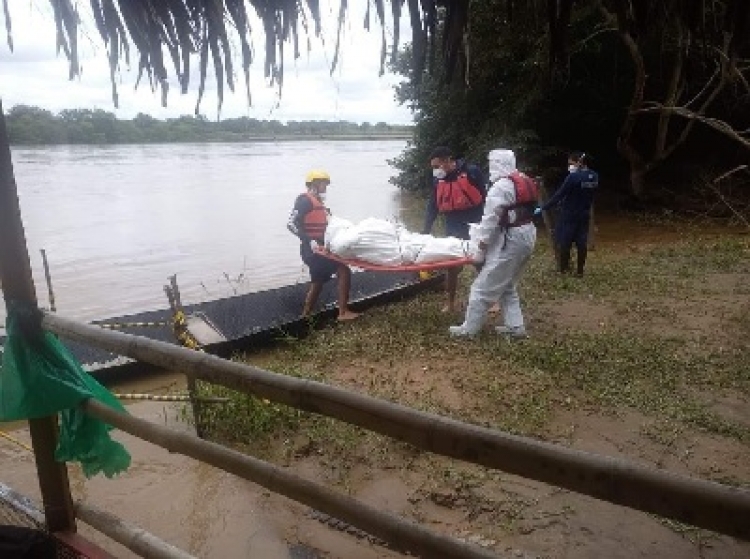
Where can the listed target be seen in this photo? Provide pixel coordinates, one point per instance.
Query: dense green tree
(644, 86)
(32, 125)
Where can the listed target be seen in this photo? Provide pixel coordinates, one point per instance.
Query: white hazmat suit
(507, 253)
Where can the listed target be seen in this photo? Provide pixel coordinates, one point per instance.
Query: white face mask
(439, 173)
(321, 196)
(572, 168)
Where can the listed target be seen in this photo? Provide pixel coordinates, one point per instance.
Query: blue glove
(538, 211)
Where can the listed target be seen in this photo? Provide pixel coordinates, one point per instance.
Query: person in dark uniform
(575, 196)
(458, 192)
(308, 222)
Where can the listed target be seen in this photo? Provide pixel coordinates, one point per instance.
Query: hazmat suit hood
(502, 163)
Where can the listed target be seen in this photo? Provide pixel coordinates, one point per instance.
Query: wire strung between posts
(171, 398)
(123, 325)
(134, 396)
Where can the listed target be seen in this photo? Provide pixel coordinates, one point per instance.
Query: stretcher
(427, 266)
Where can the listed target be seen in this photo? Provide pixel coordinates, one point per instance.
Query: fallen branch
(718, 193)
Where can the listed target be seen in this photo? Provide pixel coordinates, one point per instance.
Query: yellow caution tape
(16, 441)
(122, 325)
(182, 333)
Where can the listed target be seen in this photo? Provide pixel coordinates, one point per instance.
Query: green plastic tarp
(40, 378)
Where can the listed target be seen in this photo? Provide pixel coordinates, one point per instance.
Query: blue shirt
(462, 217)
(576, 193)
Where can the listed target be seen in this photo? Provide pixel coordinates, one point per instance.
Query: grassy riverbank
(646, 358)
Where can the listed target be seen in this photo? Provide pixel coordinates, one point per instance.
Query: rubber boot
(512, 315)
(581, 256)
(512, 333)
(564, 260)
(476, 312)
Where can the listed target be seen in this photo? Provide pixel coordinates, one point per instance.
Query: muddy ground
(645, 359)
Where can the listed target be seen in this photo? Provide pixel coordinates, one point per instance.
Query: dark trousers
(573, 230)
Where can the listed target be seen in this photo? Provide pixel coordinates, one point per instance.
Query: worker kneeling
(507, 235)
(308, 220)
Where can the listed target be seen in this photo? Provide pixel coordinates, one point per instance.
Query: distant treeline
(34, 126)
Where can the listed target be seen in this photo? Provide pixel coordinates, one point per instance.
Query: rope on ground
(15, 441)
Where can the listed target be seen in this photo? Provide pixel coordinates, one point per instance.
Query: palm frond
(184, 27)
(8, 26)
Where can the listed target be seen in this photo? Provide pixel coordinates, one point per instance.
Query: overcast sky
(34, 75)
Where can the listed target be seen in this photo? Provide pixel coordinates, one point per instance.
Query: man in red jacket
(458, 192)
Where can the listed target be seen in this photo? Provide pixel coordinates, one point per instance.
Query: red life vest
(527, 191)
(458, 194)
(527, 195)
(315, 221)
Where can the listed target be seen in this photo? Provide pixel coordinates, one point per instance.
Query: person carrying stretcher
(507, 235)
(458, 192)
(308, 222)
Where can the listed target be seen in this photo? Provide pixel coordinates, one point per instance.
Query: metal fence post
(18, 284)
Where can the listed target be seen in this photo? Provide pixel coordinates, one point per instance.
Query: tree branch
(624, 146)
(724, 65)
(671, 95)
(721, 197)
(705, 86)
(580, 44)
(716, 124)
(730, 173)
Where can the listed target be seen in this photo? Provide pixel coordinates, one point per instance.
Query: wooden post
(175, 302)
(48, 278)
(18, 285)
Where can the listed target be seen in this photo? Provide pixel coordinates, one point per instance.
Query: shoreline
(248, 139)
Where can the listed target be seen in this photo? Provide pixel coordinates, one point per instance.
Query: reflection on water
(115, 221)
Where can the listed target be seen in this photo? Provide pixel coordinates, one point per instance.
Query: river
(116, 221)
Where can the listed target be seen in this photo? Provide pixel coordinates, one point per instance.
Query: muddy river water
(115, 222)
(196, 507)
